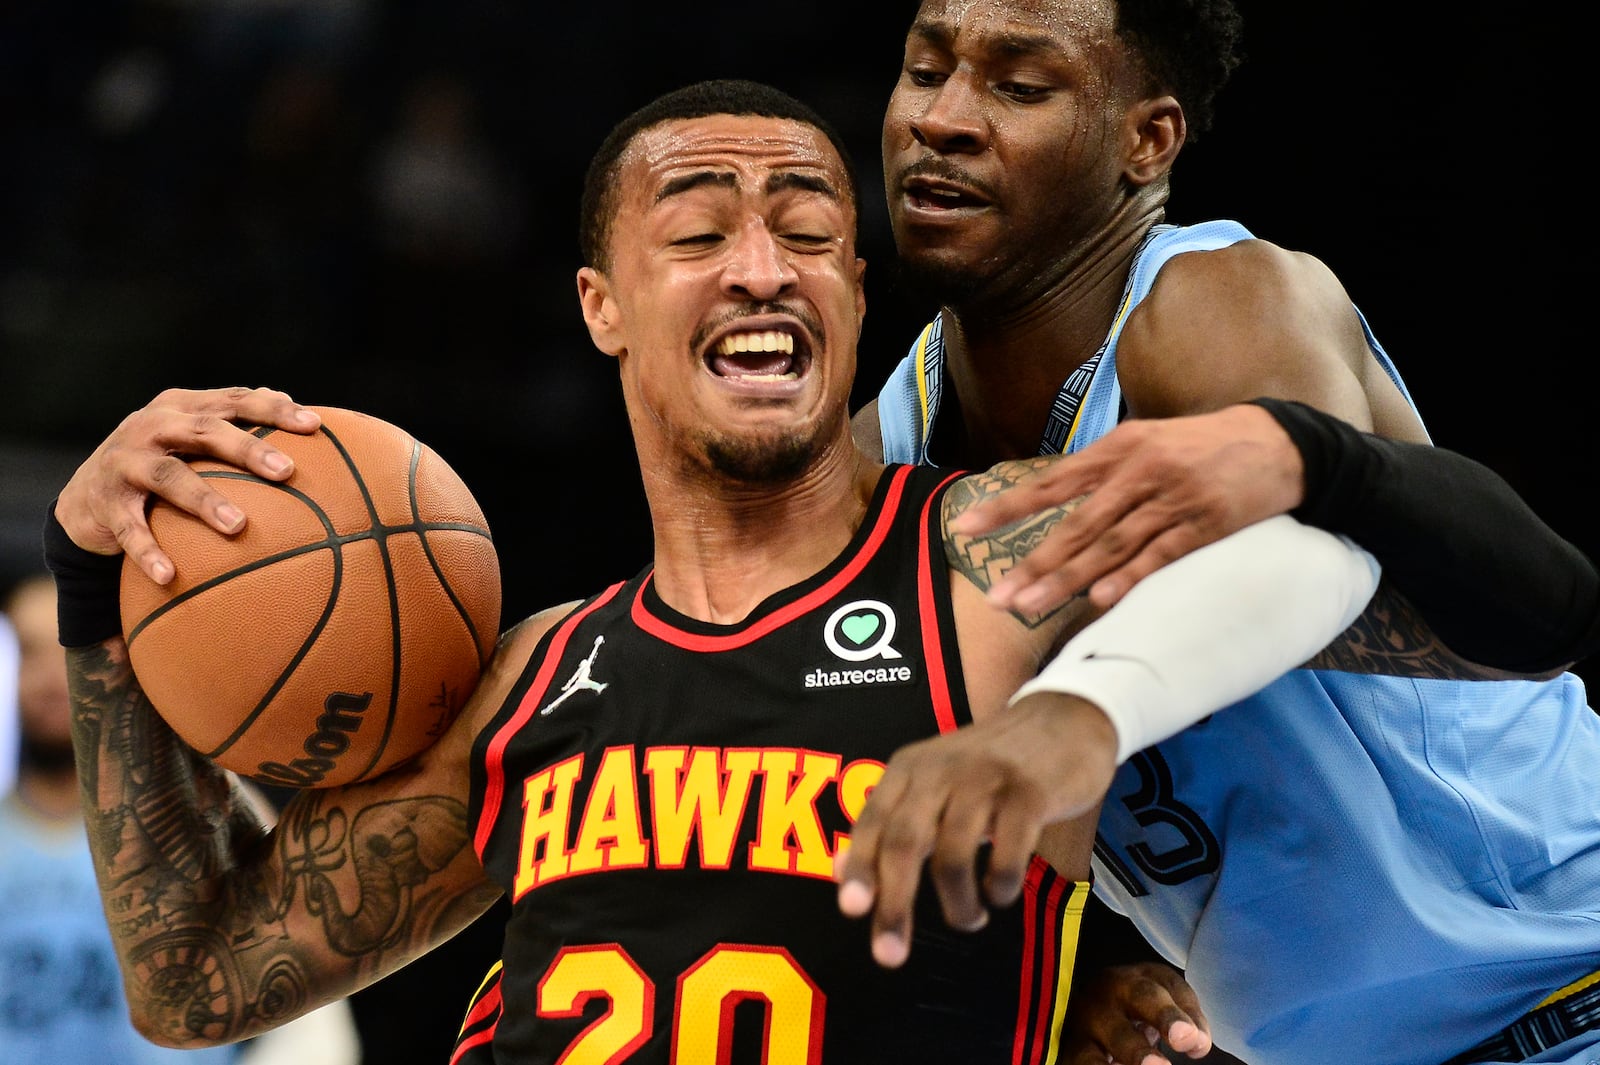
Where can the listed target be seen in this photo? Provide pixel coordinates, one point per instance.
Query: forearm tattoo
(225, 927)
(1391, 638)
(983, 560)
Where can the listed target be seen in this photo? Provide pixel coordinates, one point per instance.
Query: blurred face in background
(46, 715)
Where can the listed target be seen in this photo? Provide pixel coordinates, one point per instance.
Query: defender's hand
(1157, 489)
(102, 507)
(999, 781)
(1122, 1014)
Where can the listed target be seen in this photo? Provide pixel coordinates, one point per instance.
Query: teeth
(771, 340)
(949, 194)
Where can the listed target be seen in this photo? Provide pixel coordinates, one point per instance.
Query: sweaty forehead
(751, 147)
(1064, 21)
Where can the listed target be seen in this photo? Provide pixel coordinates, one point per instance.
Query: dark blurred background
(373, 205)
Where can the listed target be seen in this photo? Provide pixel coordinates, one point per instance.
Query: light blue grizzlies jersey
(1348, 868)
(61, 999)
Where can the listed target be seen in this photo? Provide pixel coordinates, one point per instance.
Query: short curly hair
(717, 96)
(1189, 48)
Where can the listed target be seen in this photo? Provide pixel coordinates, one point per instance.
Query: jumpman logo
(580, 679)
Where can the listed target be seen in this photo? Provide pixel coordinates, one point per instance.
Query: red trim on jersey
(1049, 951)
(1030, 924)
(489, 1005)
(494, 758)
(471, 1043)
(692, 641)
(932, 644)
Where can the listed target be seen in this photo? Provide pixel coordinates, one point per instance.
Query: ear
(600, 311)
(1156, 130)
(861, 294)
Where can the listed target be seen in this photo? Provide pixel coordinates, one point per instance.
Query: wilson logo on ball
(324, 746)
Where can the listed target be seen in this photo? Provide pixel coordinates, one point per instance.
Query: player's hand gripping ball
(342, 630)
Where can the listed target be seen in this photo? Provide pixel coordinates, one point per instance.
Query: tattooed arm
(1390, 637)
(226, 926)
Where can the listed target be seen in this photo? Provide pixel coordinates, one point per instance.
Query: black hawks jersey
(662, 799)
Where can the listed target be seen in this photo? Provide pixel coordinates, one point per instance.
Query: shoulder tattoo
(983, 560)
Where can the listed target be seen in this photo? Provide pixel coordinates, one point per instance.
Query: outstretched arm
(1497, 585)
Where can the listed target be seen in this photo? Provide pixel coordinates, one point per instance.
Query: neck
(721, 549)
(1008, 360)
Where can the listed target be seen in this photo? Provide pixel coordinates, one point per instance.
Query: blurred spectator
(446, 219)
(441, 194)
(60, 992)
(8, 706)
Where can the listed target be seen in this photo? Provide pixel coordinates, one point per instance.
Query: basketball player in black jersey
(662, 776)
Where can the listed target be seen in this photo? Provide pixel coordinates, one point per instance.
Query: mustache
(803, 315)
(933, 166)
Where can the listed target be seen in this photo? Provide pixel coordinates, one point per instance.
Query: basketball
(341, 631)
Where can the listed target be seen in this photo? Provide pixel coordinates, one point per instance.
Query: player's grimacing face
(734, 290)
(1001, 144)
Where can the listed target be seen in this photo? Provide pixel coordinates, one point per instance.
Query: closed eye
(1019, 91)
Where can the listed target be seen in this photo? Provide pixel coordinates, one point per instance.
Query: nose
(758, 268)
(951, 119)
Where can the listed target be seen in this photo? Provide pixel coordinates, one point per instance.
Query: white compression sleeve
(1212, 627)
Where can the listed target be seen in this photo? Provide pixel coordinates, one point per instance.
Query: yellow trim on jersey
(922, 378)
(1071, 925)
(488, 976)
(1570, 990)
(1116, 326)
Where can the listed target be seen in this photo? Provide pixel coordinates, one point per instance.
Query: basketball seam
(437, 555)
(381, 541)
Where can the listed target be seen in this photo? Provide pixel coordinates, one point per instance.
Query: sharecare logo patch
(860, 633)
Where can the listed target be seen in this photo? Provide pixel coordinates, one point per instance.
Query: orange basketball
(342, 630)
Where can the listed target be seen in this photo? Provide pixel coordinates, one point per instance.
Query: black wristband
(1494, 582)
(88, 587)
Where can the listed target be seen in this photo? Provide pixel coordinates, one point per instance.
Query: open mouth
(940, 196)
(759, 355)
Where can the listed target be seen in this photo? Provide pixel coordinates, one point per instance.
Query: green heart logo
(860, 627)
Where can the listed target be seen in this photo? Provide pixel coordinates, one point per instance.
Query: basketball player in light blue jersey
(1348, 868)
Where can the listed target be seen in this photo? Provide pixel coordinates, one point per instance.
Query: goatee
(763, 462)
